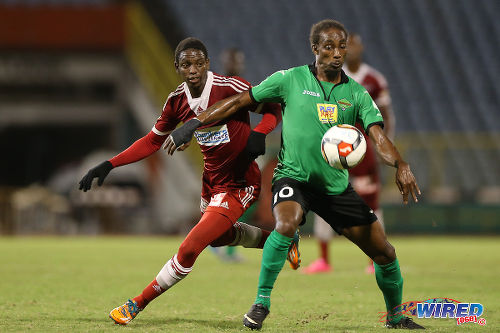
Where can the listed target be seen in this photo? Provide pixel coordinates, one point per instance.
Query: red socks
(324, 251)
(149, 293)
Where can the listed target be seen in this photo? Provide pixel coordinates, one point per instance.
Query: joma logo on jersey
(327, 113)
(310, 93)
(212, 136)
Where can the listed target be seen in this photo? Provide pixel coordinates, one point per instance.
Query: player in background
(231, 178)
(312, 96)
(365, 177)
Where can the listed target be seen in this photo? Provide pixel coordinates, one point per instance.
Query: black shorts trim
(341, 211)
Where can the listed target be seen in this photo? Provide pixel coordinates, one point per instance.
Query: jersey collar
(343, 77)
(200, 104)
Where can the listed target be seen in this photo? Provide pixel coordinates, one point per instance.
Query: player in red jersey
(231, 178)
(365, 177)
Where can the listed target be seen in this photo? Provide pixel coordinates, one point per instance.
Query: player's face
(331, 50)
(354, 49)
(193, 67)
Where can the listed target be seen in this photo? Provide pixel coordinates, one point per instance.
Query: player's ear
(176, 65)
(314, 48)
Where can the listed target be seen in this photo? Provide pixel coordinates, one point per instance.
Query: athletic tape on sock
(247, 235)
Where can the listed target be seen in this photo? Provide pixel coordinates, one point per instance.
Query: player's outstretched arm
(218, 111)
(405, 180)
(140, 149)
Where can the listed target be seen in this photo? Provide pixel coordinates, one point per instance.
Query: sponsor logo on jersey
(212, 136)
(327, 113)
(310, 93)
(344, 104)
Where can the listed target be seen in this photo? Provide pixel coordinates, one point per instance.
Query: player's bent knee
(287, 227)
(188, 253)
(390, 252)
(386, 256)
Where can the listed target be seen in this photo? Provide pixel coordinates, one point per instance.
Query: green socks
(273, 257)
(390, 281)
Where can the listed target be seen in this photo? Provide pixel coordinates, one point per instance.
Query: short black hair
(323, 25)
(190, 43)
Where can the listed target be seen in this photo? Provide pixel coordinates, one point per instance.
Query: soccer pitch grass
(71, 283)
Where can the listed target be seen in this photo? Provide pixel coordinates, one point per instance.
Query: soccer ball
(343, 146)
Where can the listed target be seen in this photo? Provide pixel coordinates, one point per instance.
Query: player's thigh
(371, 239)
(289, 205)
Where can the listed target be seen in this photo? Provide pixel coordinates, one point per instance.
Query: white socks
(172, 273)
(246, 235)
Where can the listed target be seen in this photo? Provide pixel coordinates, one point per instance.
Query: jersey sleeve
(271, 117)
(167, 121)
(368, 113)
(140, 149)
(272, 89)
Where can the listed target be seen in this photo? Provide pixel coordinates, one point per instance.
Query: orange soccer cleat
(293, 256)
(125, 313)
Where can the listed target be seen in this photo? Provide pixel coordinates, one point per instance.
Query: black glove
(256, 145)
(182, 135)
(100, 171)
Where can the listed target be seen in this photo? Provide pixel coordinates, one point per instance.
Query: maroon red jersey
(222, 143)
(365, 176)
(373, 81)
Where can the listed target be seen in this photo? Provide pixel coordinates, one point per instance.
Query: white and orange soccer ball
(343, 146)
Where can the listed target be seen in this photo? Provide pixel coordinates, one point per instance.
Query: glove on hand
(100, 172)
(181, 135)
(256, 145)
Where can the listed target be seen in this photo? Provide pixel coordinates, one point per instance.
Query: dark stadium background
(80, 80)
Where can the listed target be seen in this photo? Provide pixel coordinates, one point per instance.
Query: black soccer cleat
(405, 323)
(255, 316)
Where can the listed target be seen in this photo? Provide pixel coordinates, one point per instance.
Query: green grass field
(70, 284)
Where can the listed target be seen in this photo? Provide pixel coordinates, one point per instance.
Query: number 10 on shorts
(285, 192)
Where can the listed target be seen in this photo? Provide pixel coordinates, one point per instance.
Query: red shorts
(232, 203)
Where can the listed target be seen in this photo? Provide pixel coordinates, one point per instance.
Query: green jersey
(310, 107)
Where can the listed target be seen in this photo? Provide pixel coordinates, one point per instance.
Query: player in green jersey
(313, 99)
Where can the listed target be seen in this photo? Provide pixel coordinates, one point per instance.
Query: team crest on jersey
(212, 136)
(344, 104)
(327, 113)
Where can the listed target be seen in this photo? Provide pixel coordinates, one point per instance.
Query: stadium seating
(438, 57)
